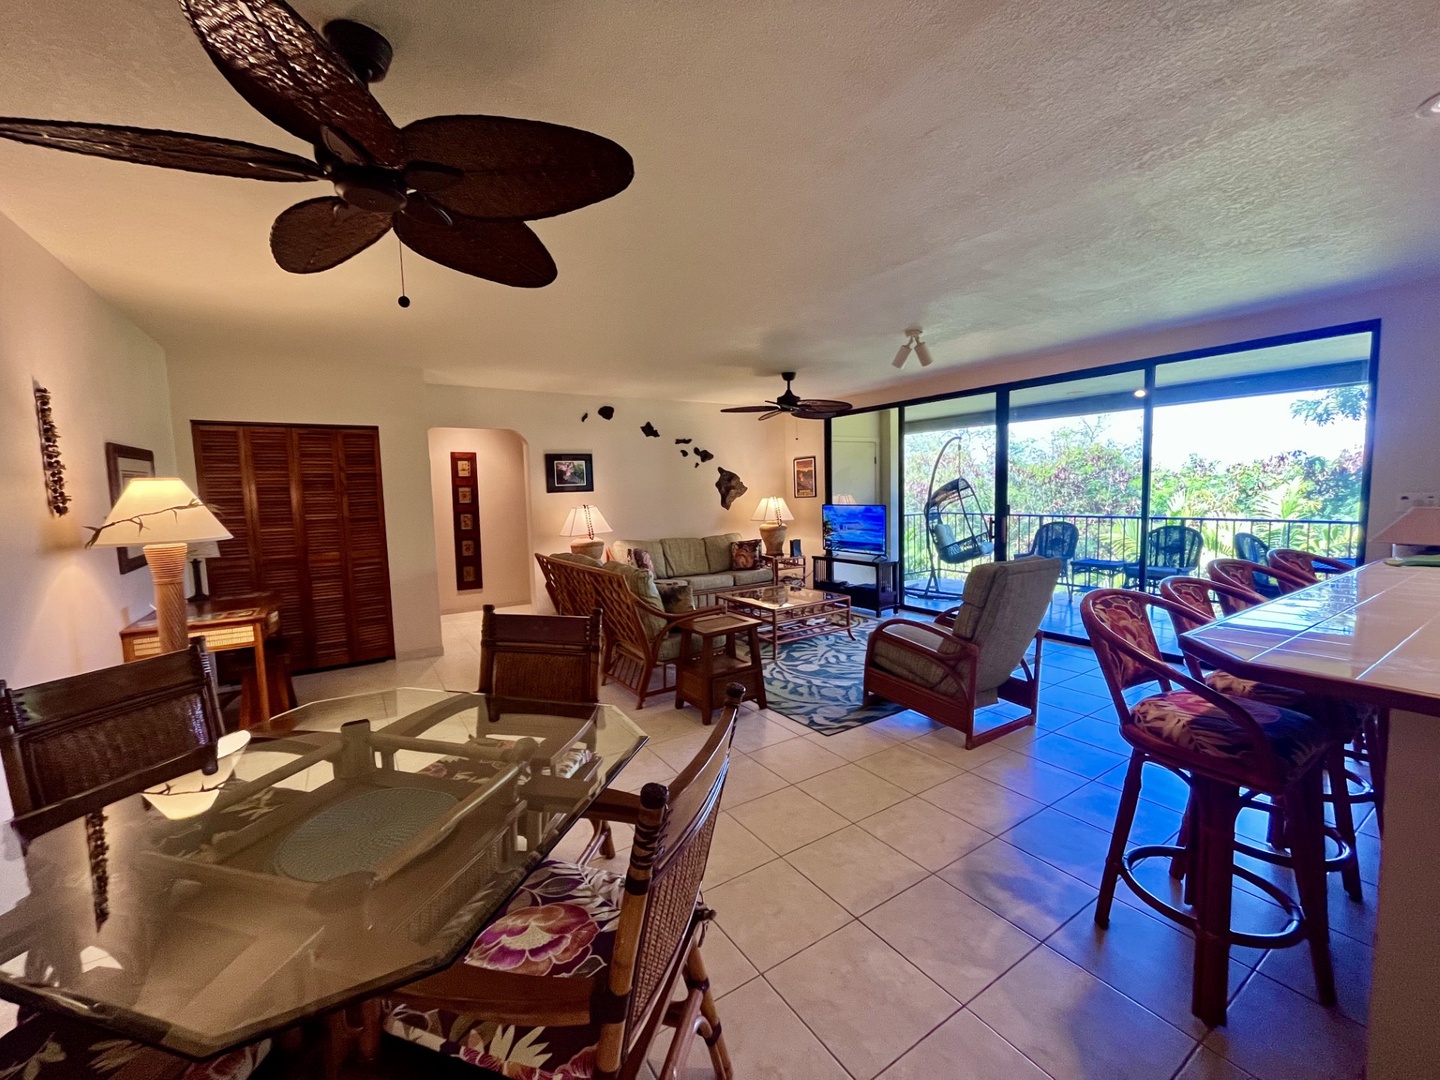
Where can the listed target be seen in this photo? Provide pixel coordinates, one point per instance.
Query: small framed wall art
(123, 464)
(464, 510)
(805, 486)
(569, 472)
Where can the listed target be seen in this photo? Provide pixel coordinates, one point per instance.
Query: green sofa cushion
(899, 661)
(684, 556)
(717, 552)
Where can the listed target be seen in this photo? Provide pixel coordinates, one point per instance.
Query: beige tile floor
(892, 905)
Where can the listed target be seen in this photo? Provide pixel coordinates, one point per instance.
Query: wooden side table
(706, 667)
(778, 564)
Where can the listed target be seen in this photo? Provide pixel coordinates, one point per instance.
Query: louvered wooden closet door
(307, 510)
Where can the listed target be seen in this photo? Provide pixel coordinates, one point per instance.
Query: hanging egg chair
(956, 529)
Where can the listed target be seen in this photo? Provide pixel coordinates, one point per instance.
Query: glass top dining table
(360, 844)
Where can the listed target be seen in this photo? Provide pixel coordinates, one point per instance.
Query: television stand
(882, 593)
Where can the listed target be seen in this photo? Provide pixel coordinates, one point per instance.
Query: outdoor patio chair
(1302, 564)
(1169, 549)
(967, 658)
(1056, 540)
(1251, 548)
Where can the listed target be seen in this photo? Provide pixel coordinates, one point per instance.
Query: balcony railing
(1117, 537)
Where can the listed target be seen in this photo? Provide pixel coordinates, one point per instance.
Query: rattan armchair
(1302, 564)
(638, 636)
(592, 998)
(1254, 577)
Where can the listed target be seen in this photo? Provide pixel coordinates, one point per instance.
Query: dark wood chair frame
(661, 929)
(118, 736)
(953, 711)
(1203, 597)
(1302, 564)
(1214, 807)
(1242, 574)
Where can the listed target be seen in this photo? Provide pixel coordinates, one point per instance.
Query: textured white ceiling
(810, 179)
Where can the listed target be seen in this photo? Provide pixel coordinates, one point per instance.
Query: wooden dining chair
(579, 973)
(70, 748)
(540, 657)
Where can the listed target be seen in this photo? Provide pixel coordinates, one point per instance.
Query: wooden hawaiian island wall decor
(466, 511)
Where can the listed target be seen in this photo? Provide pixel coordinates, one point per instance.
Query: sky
(1228, 432)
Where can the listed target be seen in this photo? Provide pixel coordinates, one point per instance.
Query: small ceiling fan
(456, 189)
(792, 403)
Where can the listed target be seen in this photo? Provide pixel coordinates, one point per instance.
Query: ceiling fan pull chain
(404, 300)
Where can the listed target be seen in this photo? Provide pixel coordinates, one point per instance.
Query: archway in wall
(481, 505)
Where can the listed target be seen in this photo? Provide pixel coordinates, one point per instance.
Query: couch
(701, 561)
(972, 655)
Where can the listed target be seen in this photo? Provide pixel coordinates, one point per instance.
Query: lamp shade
(772, 508)
(1420, 525)
(585, 520)
(159, 510)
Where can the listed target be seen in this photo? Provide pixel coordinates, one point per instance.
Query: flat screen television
(853, 528)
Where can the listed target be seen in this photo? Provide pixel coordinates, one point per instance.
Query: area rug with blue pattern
(816, 682)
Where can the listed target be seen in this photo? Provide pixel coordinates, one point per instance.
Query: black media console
(877, 595)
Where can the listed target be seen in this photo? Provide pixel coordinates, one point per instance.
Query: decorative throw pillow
(641, 558)
(676, 596)
(744, 554)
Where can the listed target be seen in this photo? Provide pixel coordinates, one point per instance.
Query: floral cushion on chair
(1233, 686)
(561, 922)
(48, 1047)
(1190, 722)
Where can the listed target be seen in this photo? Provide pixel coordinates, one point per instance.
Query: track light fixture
(913, 342)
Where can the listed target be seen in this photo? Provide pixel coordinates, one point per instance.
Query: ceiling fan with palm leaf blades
(792, 403)
(456, 189)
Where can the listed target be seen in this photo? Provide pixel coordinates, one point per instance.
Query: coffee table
(787, 614)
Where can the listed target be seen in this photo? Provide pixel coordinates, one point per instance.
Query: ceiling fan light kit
(455, 189)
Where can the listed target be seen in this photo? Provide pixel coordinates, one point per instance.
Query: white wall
(60, 605)
(643, 486)
(296, 390)
(1406, 436)
(502, 502)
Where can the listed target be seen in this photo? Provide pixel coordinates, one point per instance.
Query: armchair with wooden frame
(591, 999)
(1305, 565)
(639, 635)
(969, 657)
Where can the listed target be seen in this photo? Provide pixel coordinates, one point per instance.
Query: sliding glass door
(1131, 473)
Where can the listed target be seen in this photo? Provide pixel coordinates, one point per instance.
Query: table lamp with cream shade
(163, 515)
(584, 523)
(1415, 532)
(772, 513)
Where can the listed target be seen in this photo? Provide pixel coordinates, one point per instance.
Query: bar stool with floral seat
(1253, 576)
(1305, 565)
(1221, 745)
(1205, 599)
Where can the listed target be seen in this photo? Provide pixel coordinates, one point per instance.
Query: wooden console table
(235, 622)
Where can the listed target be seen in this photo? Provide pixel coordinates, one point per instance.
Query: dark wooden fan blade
(503, 251)
(751, 408)
(518, 169)
(167, 149)
(823, 405)
(772, 412)
(803, 413)
(292, 75)
(320, 233)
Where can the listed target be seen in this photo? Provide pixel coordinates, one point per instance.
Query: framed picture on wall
(569, 472)
(805, 485)
(464, 499)
(123, 464)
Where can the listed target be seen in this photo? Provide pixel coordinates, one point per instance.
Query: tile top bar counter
(1372, 636)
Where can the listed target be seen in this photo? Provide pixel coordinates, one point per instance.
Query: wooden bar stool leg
(1180, 864)
(1307, 850)
(1218, 804)
(1124, 819)
(1344, 819)
(1377, 744)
